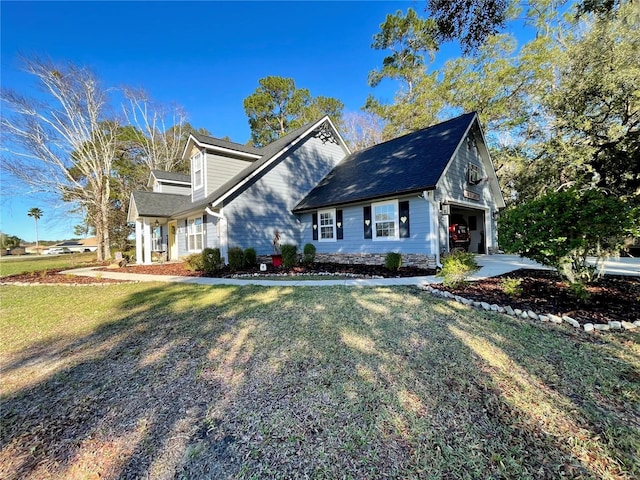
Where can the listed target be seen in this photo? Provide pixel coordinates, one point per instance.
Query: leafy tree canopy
(277, 107)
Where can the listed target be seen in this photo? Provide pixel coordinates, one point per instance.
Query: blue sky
(205, 56)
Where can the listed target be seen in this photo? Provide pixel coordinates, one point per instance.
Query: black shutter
(314, 225)
(368, 231)
(403, 219)
(339, 225)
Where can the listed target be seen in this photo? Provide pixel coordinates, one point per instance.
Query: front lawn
(12, 265)
(191, 381)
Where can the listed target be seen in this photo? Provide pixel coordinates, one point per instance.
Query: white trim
(275, 157)
(209, 146)
(396, 226)
(334, 237)
(201, 156)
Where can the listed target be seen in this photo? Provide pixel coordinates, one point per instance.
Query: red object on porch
(276, 260)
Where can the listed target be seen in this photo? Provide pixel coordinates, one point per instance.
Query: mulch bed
(53, 276)
(612, 297)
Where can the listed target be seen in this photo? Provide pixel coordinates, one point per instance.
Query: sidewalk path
(491, 266)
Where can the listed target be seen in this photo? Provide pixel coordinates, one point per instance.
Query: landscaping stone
(476, 304)
(543, 318)
(588, 327)
(601, 326)
(571, 321)
(494, 307)
(524, 315)
(485, 305)
(510, 311)
(555, 318)
(615, 325)
(628, 325)
(637, 323)
(532, 315)
(518, 312)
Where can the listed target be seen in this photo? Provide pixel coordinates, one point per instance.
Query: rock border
(531, 315)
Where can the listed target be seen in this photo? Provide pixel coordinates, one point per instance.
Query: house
(400, 196)
(236, 195)
(83, 245)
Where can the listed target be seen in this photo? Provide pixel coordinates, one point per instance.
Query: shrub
(211, 260)
(512, 286)
(561, 229)
(456, 267)
(250, 257)
(393, 261)
(289, 255)
(195, 262)
(309, 253)
(236, 258)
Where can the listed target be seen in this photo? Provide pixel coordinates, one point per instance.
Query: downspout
(222, 232)
(430, 197)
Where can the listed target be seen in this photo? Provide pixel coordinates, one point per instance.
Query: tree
(9, 241)
(362, 130)
(408, 37)
(276, 107)
(472, 22)
(561, 229)
(65, 144)
(36, 214)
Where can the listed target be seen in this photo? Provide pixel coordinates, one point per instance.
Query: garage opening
(467, 230)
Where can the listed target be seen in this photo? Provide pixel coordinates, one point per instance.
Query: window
(473, 174)
(156, 240)
(327, 225)
(385, 221)
(194, 234)
(196, 169)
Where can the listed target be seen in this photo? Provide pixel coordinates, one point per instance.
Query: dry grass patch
(188, 381)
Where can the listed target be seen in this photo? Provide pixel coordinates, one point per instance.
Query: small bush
(194, 262)
(512, 286)
(309, 253)
(289, 255)
(393, 261)
(236, 258)
(250, 257)
(211, 260)
(579, 290)
(456, 267)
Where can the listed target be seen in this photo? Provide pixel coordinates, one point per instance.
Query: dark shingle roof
(413, 162)
(225, 144)
(156, 204)
(171, 176)
(268, 153)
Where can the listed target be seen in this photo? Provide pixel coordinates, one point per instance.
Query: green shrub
(393, 261)
(289, 255)
(250, 257)
(194, 262)
(211, 260)
(456, 268)
(512, 286)
(562, 229)
(309, 253)
(579, 290)
(236, 258)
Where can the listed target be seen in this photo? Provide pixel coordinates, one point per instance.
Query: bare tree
(362, 130)
(162, 130)
(63, 145)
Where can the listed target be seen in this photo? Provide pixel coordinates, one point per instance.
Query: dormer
(169, 182)
(214, 162)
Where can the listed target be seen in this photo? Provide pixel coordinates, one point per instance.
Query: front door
(173, 245)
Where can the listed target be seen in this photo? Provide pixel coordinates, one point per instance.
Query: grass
(191, 381)
(12, 265)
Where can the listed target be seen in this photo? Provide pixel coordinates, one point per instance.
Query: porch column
(434, 226)
(147, 241)
(139, 242)
(224, 240)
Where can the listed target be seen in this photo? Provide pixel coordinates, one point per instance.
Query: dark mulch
(612, 297)
(365, 271)
(53, 276)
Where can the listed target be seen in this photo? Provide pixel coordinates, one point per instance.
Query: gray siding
(220, 169)
(173, 188)
(266, 205)
(354, 241)
(211, 238)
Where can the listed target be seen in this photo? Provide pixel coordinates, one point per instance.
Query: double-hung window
(194, 234)
(156, 239)
(385, 220)
(327, 225)
(196, 169)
